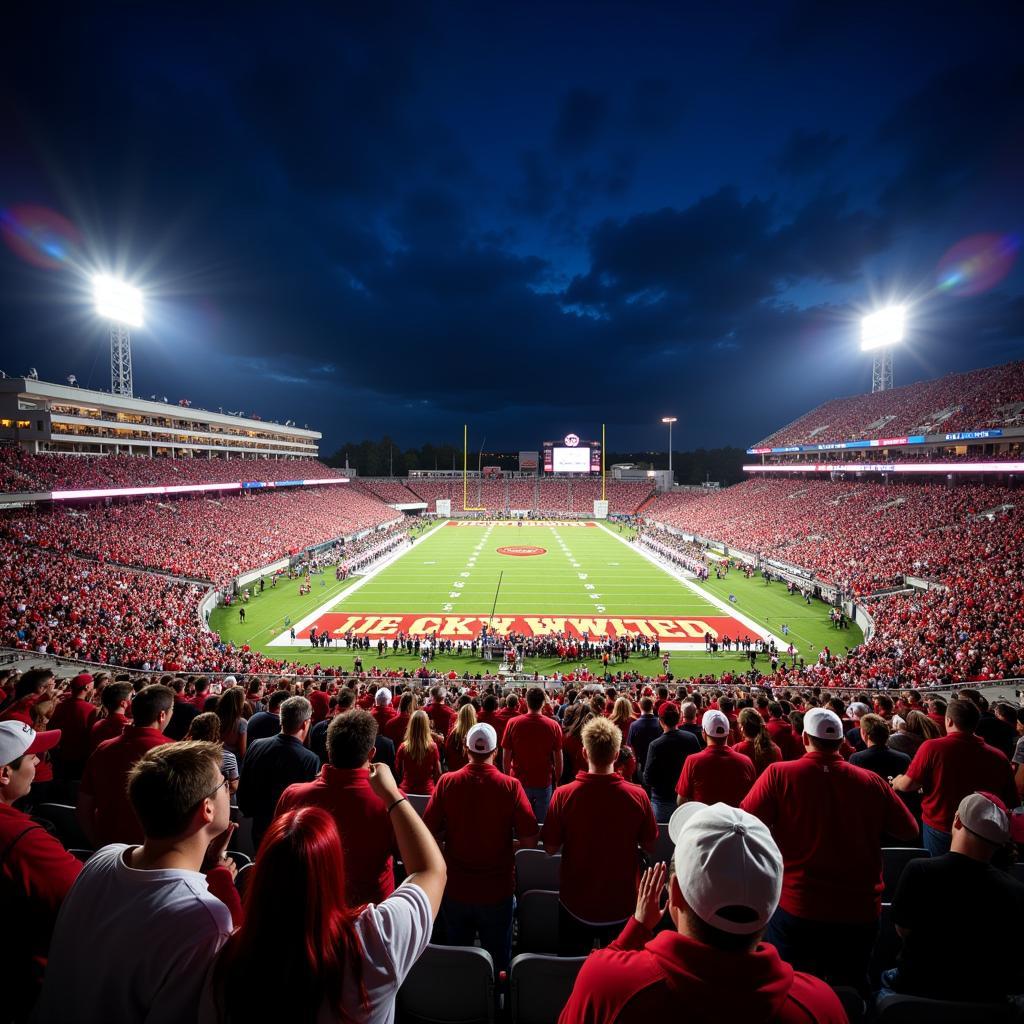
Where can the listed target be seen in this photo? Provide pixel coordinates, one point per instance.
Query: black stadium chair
(893, 1008)
(448, 985)
(536, 870)
(665, 847)
(65, 824)
(887, 946)
(537, 913)
(894, 860)
(853, 1003)
(419, 802)
(1018, 872)
(540, 986)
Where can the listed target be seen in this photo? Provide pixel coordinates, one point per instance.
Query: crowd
(200, 538)
(22, 471)
(956, 402)
(372, 821)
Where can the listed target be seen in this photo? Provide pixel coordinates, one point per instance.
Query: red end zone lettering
(666, 629)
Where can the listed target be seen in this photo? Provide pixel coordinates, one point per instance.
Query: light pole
(669, 420)
(121, 304)
(879, 332)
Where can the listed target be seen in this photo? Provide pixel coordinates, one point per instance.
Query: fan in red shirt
(717, 774)
(532, 748)
(756, 743)
(74, 717)
(713, 965)
(781, 732)
(104, 812)
(418, 760)
(115, 700)
(442, 718)
(505, 714)
(598, 821)
(829, 818)
(395, 728)
(455, 755)
(343, 788)
(952, 767)
(483, 817)
(382, 710)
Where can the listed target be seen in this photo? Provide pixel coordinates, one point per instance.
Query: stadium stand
(391, 492)
(992, 397)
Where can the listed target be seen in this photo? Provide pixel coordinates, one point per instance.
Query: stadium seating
(448, 985)
(537, 911)
(992, 397)
(540, 986)
(391, 492)
(893, 1008)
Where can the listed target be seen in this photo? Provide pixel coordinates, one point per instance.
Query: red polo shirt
(532, 740)
(105, 779)
(641, 978)
(828, 818)
(396, 726)
(954, 766)
(479, 810)
(321, 703)
(418, 776)
(455, 755)
(442, 718)
(108, 728)
(497, 724)
(785, 739)
(746, 748)
(382, 715)
(367, 840)
(598, 821)
(716, 775)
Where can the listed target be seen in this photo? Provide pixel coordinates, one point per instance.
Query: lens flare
(39, 236)
(977, 263)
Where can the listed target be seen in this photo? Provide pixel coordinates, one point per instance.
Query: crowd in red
(957, 402)
(21, 471)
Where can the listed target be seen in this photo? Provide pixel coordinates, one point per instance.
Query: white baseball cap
(481, 739)
(823, 724)
(715, 724)
(728, 866)
(382, 696)
(17, 739)
(858, 709)
(985, 815)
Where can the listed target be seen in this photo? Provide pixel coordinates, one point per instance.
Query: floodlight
(118, 301)
(882, 329)
(669, 419)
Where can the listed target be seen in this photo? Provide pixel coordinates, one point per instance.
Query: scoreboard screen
(571, 455)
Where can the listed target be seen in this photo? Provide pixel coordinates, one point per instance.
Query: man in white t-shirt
(140, 926)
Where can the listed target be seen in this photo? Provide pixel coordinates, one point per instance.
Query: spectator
(395, 729)
(104, 810)
(689, 724)
(340, 961)
(36, 872)
(183, 713)
(382, 711)
(418, 760)
(597, 822)
(978, 899)
(532, 751)
(149, 908)
(232, 724)
(780, 729)
(455, 755)
(756, 743)
(717, 774)
(643, 732)
(951, 767)
(722, 893)
(1018, 755)
(912, 731)
(876, 756)
(73, 718)
(205, 728)
(665, 759)
(115, 699)
(483, 817)
(828, 819)
(854, 713)
(34, 685)
(343, 789)
(442, 718)
(265, 724)
(271, 765)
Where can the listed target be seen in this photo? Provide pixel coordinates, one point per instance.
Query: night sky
(537, 217)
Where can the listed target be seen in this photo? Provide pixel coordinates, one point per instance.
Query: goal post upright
(465, 473)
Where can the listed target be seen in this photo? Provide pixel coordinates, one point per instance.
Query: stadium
(551, 725)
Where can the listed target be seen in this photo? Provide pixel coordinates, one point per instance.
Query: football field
(535, 579)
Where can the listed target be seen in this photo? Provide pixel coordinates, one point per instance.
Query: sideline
(688, 582)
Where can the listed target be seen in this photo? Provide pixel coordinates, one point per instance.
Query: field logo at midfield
(518, 524)
(468, 627)
(522, 551)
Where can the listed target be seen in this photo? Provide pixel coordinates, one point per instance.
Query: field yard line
(710, 598)
(284, 638)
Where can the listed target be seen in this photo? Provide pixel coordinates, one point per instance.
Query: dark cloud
(582, 117)
(809, 152)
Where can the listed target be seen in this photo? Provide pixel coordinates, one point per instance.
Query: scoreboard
(571, 455)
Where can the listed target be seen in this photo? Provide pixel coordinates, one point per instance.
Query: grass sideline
(547, 584)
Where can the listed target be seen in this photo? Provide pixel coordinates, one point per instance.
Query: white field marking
(687, 581)
(430, 563)
(284, 639)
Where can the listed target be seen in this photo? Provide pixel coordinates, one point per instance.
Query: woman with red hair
(330, 962)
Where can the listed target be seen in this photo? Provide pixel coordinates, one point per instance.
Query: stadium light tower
(121, 304)
(879, 332)
(669, 420)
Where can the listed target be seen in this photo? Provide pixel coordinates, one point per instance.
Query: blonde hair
(418, 740)
(601, 740)
(465, 722)
(622, 714)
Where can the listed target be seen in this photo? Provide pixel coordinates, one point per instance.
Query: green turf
(618, 581)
